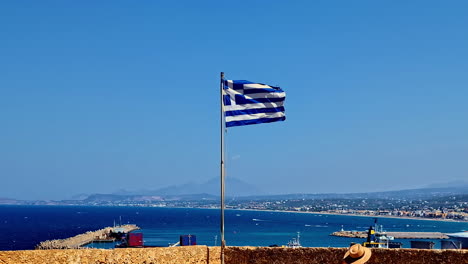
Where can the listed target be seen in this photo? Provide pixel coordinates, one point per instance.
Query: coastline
(354, 215)
(261, 210)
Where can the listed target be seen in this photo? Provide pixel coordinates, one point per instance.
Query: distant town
(454, 207)
(438, 207)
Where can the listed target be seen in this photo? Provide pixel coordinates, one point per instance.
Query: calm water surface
(22, 227)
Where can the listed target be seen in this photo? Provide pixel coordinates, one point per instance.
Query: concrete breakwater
(233, 255)
(401, 235)
(82, 239)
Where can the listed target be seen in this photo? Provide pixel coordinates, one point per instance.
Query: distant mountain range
(209, 190)
(412, 194)
(238, 189)
(234, 188)
(188, 192)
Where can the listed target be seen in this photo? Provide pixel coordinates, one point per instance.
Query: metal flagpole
(223, 243)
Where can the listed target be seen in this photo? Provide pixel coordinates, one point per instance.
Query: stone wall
(246, 255)
(234, 255)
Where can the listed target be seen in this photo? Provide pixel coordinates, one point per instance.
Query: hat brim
(367, 254)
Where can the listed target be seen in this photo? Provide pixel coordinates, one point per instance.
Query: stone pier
(83, 239)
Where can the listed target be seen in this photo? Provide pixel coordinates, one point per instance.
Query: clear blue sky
(96, 96)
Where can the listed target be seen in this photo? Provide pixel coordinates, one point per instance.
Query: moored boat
(378, 238)
(295, 242)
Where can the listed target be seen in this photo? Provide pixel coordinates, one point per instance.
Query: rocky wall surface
(233, 255)
(174, 255)
(259, 255)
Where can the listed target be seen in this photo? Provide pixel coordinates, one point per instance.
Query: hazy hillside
(209, 191)
(194, 192)
(422, 193)
(234, 187)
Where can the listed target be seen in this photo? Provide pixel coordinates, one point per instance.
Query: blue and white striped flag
(248, 103)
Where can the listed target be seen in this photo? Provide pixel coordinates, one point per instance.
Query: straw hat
(357, 254)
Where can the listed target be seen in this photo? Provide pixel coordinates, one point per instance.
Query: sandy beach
(358, 215)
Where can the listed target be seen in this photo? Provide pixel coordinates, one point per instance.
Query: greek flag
(248, 103)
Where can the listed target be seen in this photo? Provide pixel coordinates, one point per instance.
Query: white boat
(295, 242)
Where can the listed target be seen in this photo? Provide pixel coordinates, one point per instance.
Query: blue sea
(23, 227)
